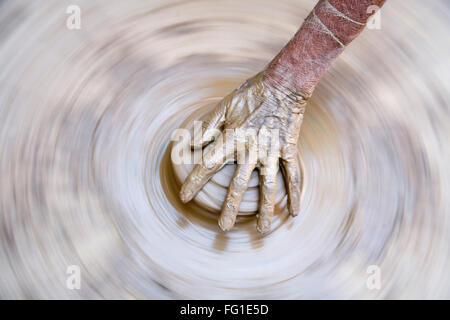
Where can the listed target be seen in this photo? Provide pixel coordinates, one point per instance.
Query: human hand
(255, 125)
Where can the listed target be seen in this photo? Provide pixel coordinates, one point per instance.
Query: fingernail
(294, 211)
(226, 224)
(185, 195)
(263, 226)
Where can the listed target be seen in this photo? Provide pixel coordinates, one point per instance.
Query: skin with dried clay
(274, 101)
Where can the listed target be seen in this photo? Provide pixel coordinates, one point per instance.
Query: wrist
(284, 95)
(284, 79)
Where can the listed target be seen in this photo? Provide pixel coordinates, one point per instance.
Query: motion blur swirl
(86, 178)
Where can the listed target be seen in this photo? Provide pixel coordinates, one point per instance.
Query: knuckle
(289, 152)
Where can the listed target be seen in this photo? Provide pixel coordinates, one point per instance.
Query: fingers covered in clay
(268, 188)
(292, 177)
(259, 119)
(236, 191)
(210, 127)
(213, 160)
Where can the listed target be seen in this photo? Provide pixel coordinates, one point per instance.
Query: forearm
(323, 36)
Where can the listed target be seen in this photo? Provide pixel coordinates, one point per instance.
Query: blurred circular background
(86, 179)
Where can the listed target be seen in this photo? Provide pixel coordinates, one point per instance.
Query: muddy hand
(264, 122)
